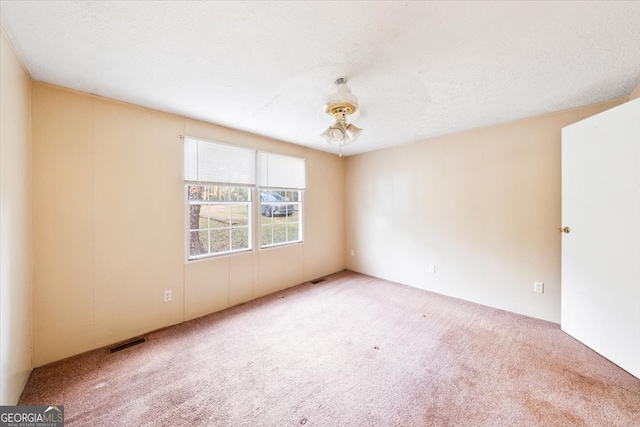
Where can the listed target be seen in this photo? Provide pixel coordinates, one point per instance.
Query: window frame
(258, 172)
(262, 217)
(249, 227)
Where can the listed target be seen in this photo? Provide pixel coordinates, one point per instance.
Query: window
(219, 219)
(219, 183)
(281, 211)
(282, 181)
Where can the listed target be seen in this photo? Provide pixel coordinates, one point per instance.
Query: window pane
(293, 196)
(217, 193)
(266, 237)
(240, 194)
(220, 240)
(279, 233)
(266, 215)
(239, 215)
(198, 243)
(195, 217)
(205, 239)
(267, 210)
(239, 238)
(220, 215)
(204, 221)
(292, 232)
(196, 192)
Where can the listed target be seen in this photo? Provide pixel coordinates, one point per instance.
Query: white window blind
(278, 171)
(210, 162)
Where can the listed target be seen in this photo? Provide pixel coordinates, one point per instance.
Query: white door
(601, 253)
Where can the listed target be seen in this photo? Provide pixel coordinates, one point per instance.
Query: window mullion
(209, 229)
(230, 227)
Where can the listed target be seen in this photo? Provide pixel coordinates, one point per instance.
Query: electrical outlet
(353, 253)
(167, 296)
(432, 269)
(538, 287)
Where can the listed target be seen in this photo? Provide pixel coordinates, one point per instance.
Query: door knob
(564, 230)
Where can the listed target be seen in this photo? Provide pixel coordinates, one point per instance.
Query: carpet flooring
(350, 351)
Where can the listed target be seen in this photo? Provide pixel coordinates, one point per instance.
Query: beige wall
(483, 206)
(109, 219)
(15, 225)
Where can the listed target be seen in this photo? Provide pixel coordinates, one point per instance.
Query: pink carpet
(350, 351)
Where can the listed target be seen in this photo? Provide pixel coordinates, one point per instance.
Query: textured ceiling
(420, 69)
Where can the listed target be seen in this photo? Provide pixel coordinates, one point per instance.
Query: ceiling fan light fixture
(333, 134)
(341, 104)
(342, 101)
(353, 132)
(336, 133)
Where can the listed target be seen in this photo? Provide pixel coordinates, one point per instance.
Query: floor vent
(126, 345)
(322, 279)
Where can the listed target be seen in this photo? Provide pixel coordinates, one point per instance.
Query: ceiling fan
(341, 104)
